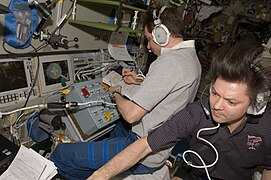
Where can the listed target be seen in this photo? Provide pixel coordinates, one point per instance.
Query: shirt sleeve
(181, 125)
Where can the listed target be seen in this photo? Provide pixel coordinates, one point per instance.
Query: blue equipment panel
(92, 118)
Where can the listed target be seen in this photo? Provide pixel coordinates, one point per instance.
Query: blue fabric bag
(20, 24)
(34, 131)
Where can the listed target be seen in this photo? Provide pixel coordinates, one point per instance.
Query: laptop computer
(8, 151)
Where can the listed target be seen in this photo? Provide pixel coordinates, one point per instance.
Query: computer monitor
(55, 73)
(16, 77)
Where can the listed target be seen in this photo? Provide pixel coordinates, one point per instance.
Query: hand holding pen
(131, 77)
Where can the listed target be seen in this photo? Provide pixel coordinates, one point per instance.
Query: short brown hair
(242, 62)
(171, 18)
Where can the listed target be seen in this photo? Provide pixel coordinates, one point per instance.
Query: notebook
(113, 79)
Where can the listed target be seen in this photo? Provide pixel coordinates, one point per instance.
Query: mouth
(217, 115)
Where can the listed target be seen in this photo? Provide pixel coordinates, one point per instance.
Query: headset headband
(157, 19)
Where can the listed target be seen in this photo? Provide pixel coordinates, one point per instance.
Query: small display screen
(12, 76)
(56, 72)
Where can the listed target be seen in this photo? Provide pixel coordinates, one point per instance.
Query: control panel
(97, 113)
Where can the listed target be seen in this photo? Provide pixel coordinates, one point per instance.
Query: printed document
(117, 46)
(28, 164)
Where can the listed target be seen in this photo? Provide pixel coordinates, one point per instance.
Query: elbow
(145, 145)
(132, 113)
(130, 118)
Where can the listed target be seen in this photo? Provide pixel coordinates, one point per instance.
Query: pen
(42, 171)
(126, 74)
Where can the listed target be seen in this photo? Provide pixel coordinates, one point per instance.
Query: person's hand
(115, 89)
(131, 77)
(97, 176)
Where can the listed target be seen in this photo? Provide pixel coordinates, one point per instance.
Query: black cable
(43, 45)
(33, 84)
(35, 77)
(15, 140)
(7, 51)
(119, 15)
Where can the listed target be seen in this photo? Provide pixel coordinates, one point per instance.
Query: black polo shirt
(240, 152)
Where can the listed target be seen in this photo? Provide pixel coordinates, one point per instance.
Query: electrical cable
(90, 103)
(189, 163)
(35, 78)
(174, 3)
(58, 105)
(96, 70)
(43, 45)
(5, 49)
(40, 106)
(33, 51)
(32, 85)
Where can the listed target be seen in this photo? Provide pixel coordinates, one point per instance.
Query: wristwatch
(113, 94)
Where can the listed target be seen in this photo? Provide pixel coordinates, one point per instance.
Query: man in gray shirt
(171, 82)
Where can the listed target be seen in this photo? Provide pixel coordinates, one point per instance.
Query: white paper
(28, 164)
(117, 46)
(113, 79)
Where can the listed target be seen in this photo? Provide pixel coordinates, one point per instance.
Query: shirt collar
(181, 45)
(253, 119)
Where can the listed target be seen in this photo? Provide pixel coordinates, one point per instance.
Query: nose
(219, 104)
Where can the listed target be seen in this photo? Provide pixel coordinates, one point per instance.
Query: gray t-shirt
(171, 83)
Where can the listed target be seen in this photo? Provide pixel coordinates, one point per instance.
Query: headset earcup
(161, 35)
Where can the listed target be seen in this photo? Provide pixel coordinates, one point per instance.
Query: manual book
(113, 79)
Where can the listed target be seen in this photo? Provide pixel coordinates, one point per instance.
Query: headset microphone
(207, 112)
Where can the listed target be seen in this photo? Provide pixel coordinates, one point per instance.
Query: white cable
(82, 70)
(176, 4)
(20, 125)
(202, 161)
(90, 103)
(17, 120)
(103, 54)
(40, 106)
(43, 106)
(74, 10)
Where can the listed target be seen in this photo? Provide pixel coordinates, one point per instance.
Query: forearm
(266, 175)
(124, 160)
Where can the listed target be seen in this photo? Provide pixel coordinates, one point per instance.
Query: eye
(214, 93)
(231, 103)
